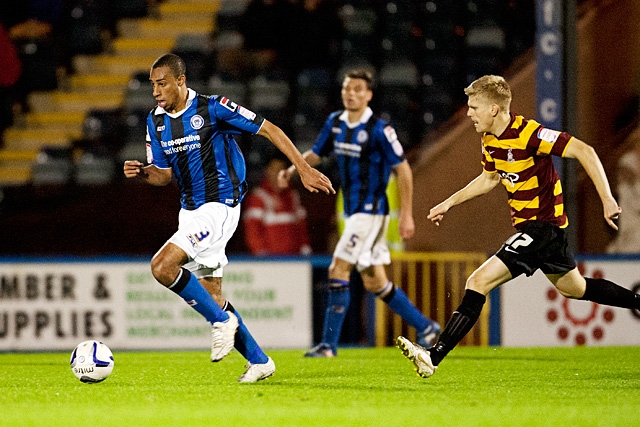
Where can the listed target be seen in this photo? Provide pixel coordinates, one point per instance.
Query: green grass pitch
(581, 386)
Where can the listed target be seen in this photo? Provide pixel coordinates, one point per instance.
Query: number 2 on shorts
(518, 239)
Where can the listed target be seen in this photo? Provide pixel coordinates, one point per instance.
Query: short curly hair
(174, 62)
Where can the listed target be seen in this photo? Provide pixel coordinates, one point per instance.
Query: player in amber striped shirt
(521, 157)
(518, 153)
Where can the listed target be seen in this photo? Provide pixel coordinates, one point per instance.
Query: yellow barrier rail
(435, 282)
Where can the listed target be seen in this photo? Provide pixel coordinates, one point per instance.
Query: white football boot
(419, 356)
(222, 337)
(257, 371)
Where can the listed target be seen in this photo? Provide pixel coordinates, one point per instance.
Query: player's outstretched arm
(150, 174)
(406, 223)
(285, 175)
(480, 185)
(312, 179)
(590, 161)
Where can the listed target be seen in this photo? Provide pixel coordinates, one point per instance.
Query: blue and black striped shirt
(366, 151)
(198, 145)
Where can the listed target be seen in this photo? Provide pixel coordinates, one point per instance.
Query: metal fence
(435, 282)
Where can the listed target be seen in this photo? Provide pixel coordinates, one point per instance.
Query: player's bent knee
(163, 271)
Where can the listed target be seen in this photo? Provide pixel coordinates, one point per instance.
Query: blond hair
(494, 89)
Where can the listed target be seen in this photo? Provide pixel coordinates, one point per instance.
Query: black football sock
(459, 325)
(608, 293)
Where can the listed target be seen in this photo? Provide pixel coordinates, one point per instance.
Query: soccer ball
(91, 361)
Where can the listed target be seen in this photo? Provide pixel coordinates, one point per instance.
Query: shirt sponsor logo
(392, 138)
(548, 134)
(511, 177)
(149, 154)
(180, 141)
(351, 150)
(177, 145)
(197, 122)
(247, 114)
(228, 104)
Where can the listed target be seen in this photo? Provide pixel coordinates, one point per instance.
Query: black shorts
(537, 245)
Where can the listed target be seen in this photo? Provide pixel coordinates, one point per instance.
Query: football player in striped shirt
(517, 152)
(190, 138)
(367, 151)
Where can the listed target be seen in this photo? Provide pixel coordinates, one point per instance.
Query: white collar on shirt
(364, 119)
(191, 96)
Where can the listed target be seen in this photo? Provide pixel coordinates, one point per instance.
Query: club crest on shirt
(362, 136)
(196, 121)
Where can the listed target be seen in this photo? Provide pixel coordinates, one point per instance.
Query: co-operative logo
(578, 321)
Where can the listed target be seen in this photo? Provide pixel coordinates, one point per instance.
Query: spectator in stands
(9, 74)
(33, 27)
(274, 220)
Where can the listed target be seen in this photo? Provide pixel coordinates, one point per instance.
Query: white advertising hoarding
(533, 313)
(54, 306)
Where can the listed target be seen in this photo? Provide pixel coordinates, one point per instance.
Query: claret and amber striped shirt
(522, 156)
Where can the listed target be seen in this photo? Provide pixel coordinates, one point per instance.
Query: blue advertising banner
(549, 71)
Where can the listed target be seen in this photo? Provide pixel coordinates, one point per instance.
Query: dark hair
(174, 62)
(361, 74)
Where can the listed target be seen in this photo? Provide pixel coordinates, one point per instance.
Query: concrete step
(73, 102)
(14, 175)
(54, 118)
(142, 47)
(179, 11)
(98, 83)
(112, 64)
(151, 28)
(8, 156)
(35, 139)
(15, 166)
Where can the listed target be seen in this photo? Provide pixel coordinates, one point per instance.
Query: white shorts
(363, 242)
(203, 234)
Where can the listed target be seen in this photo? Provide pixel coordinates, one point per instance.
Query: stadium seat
(138, 95)
(232, 89)
(313, 93)
(91, 169)
(86, 23)
(270, 98)
(52, 167)
(130, 8)
(359, 29)
(197, 52)
(228, 17)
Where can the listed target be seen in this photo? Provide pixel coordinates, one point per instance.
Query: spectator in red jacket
(9, 74)
(274, 220)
